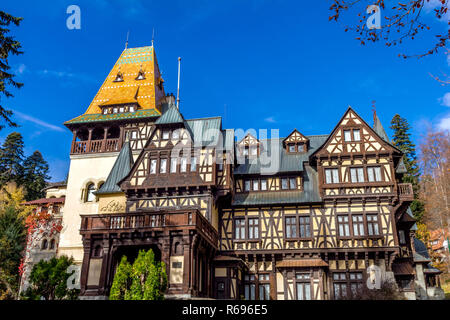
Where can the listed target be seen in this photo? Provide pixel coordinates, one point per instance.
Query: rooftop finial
(374, 110)
(126, 43)
(178, 88)
(153, 36)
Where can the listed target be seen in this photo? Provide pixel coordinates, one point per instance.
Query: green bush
(146, 279)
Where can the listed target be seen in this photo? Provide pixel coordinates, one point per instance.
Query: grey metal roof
(121, 168)
(280, 160)
(172, 115)
(420, 251)
(310, 193)
(205, 131)
(378, 128)
(401, 168)
(430, 269)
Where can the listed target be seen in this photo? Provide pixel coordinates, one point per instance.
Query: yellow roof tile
(146, 92)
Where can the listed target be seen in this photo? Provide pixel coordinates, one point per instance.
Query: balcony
(95, 146)
(157, 221)
(405, 192)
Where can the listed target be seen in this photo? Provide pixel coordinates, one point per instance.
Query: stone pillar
(85, 265)
(103, 283)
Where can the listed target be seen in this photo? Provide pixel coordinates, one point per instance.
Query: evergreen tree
(401, 139)
(11, 158)
(12, 244)
(8, 46)
(35, 173)
(146, 279)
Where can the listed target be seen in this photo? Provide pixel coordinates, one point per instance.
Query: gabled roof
(288, 162)
(44, 201)
(121, 168)
(363, 121)
(205, 131)
(172, 115)
(420, 251)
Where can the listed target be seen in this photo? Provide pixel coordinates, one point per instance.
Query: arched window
(44, 244)
(52, 244)
(90, 189)
(100, 184)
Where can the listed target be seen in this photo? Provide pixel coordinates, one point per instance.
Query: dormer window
(292, 148)
(119, 77)
(131, 109)
(141, 75)
(105, 111)
(296, 142)
(115, 110)
(176, 135)
(121, 109)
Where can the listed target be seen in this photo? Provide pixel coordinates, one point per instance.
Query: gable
(353, 135)
(295, 137)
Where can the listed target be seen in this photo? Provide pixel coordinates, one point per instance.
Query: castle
(300, 217)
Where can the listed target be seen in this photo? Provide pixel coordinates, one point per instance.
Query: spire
(377, 126)
(178, 88)
(126, 43)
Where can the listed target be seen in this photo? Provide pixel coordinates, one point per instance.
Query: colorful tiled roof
(147, 92)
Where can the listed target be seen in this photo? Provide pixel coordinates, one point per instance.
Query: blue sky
(258, 63)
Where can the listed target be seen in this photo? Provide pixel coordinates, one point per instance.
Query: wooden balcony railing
(95, 146)
(405, 191)
(105, 223)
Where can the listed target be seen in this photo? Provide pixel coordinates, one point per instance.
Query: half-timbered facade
(326, 215)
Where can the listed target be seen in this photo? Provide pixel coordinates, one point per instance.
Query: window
(173, 165)
(284, 184)
(358, 225)
(356, 283)
(141, 75)
(175, 134)
(44, 245)
(239, 229)
(356, 136)
(303, 286)
(121, 109)
(291, 227)
(253, 228)
(90, 196)
(246, 229)
(264, 287)
(357, 174)
(165, 135)
(255, 185)
(52, 244)
(263, 184)
(193, 164)
(374, 174)
(153, 166)
(339, 285)
(305, 231)
(115, 110)
(372, 225)
(247, 185)
(292, 148)
(347, 135)
(300, 230)
(105, 111)
(250, 287)
(401, 236)
(133, 134)
(292, 183)
(131, 109)
(183, 165)
(331, 176)
(254, 151)
(245, 152)
(163, 166)
(343, 226)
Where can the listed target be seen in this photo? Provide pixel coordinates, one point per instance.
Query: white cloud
(37, 121)
(445, 100)
(270, 119)
(21, 68)
(444, 123)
